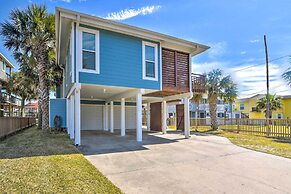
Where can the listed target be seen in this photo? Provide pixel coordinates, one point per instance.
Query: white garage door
(91, 117)
(130, 121)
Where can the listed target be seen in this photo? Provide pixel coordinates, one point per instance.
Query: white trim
(190, 72)
(144, 43)
(97, 50)
(72, 50)
(132, 30)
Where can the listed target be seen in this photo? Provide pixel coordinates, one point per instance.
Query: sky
(233, 29)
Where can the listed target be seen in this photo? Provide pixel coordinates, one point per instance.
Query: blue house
(113, 71)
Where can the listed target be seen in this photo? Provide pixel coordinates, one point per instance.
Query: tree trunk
(39, 114)
(41, 59)
(213, 109)
(22, 107)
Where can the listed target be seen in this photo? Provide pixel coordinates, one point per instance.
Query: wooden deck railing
(10, 125)
(198, 83)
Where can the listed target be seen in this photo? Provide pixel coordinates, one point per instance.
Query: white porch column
(186, 118)
(139, 117)
(122, 120)
(72, 117)
(106, 117)
(148, 116)
(68, 116)
(111, 117)
(164, 116)
(77, 117)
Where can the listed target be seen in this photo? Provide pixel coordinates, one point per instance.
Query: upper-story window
(90, 51)
(2, 65)
(150, 61)
(241, 106)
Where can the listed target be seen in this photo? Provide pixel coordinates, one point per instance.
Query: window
(204, 101)
(220, 115)
(279, 116)
(150, 61)
(3, 65)
(241, 106)
(90, 50)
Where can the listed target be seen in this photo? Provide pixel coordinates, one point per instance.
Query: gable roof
(166, 40)
(7, 62)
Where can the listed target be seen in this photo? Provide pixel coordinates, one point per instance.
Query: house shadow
(104, 142)
(32, 142)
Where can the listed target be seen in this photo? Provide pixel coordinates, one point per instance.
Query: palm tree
(218, 85)
(22, 86)
(197, 97)
(287, 76)
(229, 95)
(32, 32)
(275, 104)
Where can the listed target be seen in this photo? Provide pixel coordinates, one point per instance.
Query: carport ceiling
(101, 92)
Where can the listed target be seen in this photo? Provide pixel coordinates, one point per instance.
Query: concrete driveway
(171, 164)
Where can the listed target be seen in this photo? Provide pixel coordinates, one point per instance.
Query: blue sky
(233, 29)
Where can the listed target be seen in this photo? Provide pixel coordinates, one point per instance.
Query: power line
(278, 58)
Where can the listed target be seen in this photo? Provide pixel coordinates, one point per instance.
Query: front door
(180, 116)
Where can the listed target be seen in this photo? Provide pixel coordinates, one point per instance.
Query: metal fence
(10, 125)
(268, 127)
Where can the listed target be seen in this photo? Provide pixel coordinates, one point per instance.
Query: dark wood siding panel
(182, 70)
(169, 70)
(156, 116)
(175, 66)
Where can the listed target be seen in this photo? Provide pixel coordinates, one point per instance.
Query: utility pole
(268, 88)
(267, 76)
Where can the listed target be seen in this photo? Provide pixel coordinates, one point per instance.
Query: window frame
(156, 63)
(97, 50)
(3, 66)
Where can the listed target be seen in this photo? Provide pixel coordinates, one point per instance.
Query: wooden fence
(10, 125)
(268, 127)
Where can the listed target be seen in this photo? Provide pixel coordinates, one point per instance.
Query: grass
(31, 162)
(272, 145)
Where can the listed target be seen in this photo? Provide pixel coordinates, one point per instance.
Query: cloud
(243, 52)
(250, 80)
(129, 13)
(254, 41)
(217, 49)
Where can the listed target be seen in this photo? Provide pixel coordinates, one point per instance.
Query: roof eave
(131, 30)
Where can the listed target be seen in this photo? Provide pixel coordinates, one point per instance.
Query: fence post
(268, 127)
(238, 127)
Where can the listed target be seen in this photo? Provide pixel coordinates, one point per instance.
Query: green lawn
(31, 162)
(271, 145)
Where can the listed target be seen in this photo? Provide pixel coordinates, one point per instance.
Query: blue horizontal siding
(120, 62)
(58, 107)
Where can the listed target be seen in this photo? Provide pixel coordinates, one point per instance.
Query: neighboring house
(223, 110)
(247, 106)
(112, 70)
(31, 109)
(9, 103)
